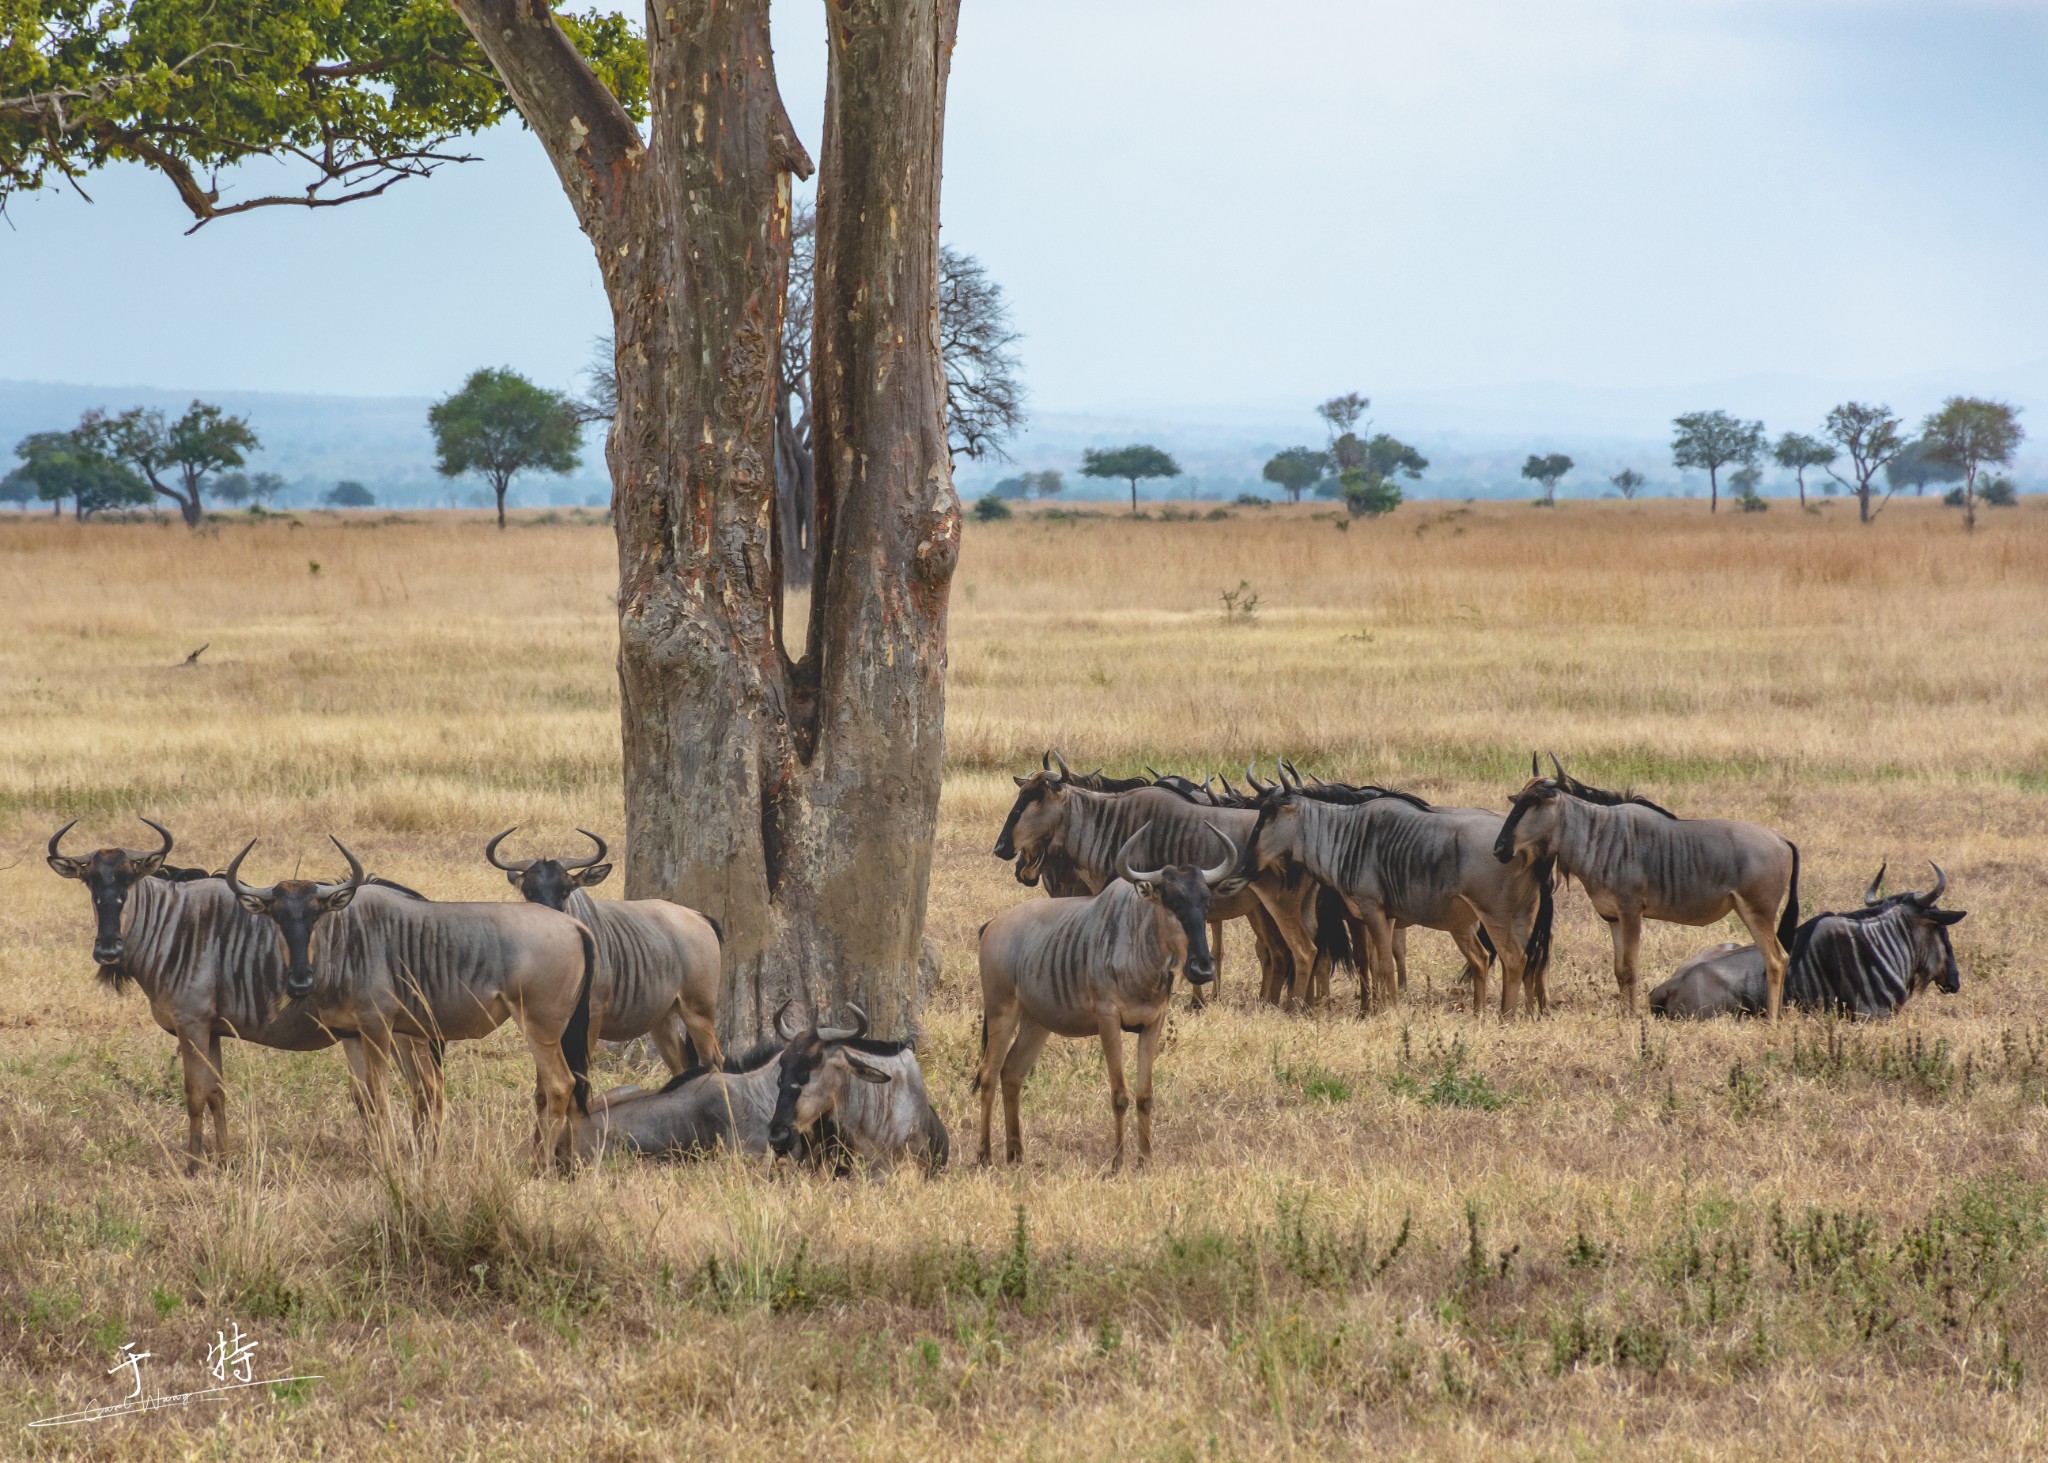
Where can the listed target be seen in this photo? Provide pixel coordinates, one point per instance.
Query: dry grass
(1714, 1242)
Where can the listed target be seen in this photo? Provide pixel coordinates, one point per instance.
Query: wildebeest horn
(161, 832)
(1045, 761)
(1253, 778)
(233, 873)
(1215, 876)
(1870, 895)
(1288, 776)
(1927, 900)
(1123, 860)
(58, 837)
(355, 869)
(491, 854)
(595, 858)
(1065, 771)
(847, 1033)
(780, 1012)
(1535, 765)
(1558, 765)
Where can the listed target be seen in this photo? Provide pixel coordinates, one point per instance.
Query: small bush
(1240, 605)
(1251, 500)
(991, 509)
(1751, 503)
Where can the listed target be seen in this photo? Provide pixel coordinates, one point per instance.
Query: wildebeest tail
(975, 1085)
(1536, 954)
(1486, 944)
(1333, 930)
(1788, 922)
(576, 1035)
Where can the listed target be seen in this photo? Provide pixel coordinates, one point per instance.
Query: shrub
(991, 509)
(1369, 494)
(1252, 500)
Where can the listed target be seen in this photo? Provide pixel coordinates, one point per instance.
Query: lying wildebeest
(658, 964)
(1396, 860)
(379, 966)
(825, 1097)
(208, 968)
(1865, 962)
(1066, 831)
(1093, 967)
(1637, 861)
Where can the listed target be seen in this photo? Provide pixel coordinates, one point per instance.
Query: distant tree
(1343, 412)
(1050, 484)
(1871, 437)
(1368, 494)
(984, 379)
(18, 488)
(1914, 469)
(1548, 469)
(1391, 457)
(1743, 483)
(1796, 452)
(247, 487)
(1972, 433)
(347, 494)
(1129, 464)
(988, 508)
(1713, 440)
(499, 425)
(73, 465)
(190, 451)
(1359, 462)
(601, 404)
(1628, 482)
(1296, 469)
(1996, 491)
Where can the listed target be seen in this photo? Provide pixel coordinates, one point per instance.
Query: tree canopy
(350, 95)
(177, 459)
(72, 465)
(1628, 482)
(499, 425)
(1970, 433)
(1796, 452)
(1547, 468)
(1132, 464)
(1296, 469)
(984, 379)
(347, 494)
(1870, 436)
(1914, 469)
(1713, 440)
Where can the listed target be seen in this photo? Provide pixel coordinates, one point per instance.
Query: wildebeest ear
(66, 868)
(1150, 891)
(863, 1071)
(1020, 781)
(1233, 885)
(512, 877)
(337, 901)
(253, 903)
(591, 877)
(148, 864)
(1944, 916)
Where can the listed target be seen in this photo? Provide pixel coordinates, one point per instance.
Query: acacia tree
(1914, 469)
(1970, 433)
(1796, 452)
(199, 446)
(499, 425)
(1547, 468)
(1870, 437)
(1137, 462)
(1296, 469)
(1628, 482)
(1713, 440)
(74, 465)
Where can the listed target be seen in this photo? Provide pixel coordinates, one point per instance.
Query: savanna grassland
(1420, 1235)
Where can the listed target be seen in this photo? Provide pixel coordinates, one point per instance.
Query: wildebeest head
(295, 906)
(1532, 815)
(815, 1067)
(1034, 830)
(1182, 892)
(1934, 958)
(108, 874)
(551, 881)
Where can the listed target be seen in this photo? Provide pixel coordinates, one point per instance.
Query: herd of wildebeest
(1144, 873)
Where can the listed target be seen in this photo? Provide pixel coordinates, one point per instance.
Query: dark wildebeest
(379, 966)
(1093, 967)
(208, 968)
(1637, 861)
(658, 963)
(1864, 963)
(1067, 833)
(825, 1097)
(1396, 861)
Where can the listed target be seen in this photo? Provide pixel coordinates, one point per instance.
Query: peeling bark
(793, 801)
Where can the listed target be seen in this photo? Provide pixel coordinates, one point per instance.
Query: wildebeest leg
(1016, 1067)
(1628, 938)
(1401, 958)
(1378, 992)
(423, 1080)
(669, 1039)
(202, 1091)
(555, 1088)
(217, 1104)
(1765, 938)
(1276, 973)
(1148, 1048)
(1112, 1030)
(1466, 938)
(998, 1030)
(367, 1064)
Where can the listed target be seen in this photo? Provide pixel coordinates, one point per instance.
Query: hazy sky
(1199, 202)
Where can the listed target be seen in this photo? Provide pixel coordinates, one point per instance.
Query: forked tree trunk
(794, 802)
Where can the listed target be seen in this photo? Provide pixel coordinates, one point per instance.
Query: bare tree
(984, 383)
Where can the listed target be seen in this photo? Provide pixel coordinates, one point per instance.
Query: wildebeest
(1863, 963)
(208, 968)
(379, 966)
(824, 1097)
(658, 963)
(1397, 860)
(1637, 861)
(1065, 831)
(1099, 967)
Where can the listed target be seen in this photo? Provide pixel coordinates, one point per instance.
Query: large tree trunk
(794, 802)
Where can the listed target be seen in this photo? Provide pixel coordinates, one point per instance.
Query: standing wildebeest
(1067, 832)
(208, 968)
(658, 964)
(1637, 861)
(827, 1098)
(1397, 861)
(1865, 963)
(380, 966)
(1093, 967)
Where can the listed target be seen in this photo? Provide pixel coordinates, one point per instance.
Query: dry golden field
(1422, 1235)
